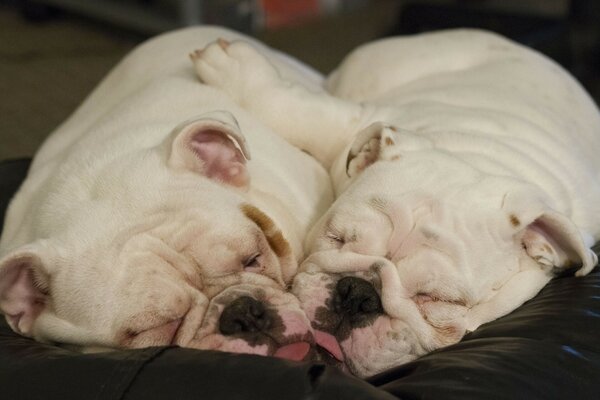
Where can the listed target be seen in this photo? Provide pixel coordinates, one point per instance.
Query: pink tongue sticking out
(329, 343)
(295, 351)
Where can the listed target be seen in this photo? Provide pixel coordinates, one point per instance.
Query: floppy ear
(555, 243)
(549, 239)
(211, 145)
(24, 289)
(547, 236)
(367, 147)
(379, 141)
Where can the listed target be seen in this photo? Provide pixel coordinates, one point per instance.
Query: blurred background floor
(50, 61)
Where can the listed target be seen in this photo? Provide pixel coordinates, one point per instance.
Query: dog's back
(502, 107)
(151, 91)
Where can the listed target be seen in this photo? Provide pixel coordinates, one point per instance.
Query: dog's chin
(366, 358)
(368, 350)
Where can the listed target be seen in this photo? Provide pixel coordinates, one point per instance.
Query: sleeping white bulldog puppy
(467, 173)
(162, 213)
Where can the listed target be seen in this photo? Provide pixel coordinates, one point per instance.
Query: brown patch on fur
(447, 334)
(395, 158)
(127, 337)
(514, 221)
(277, 242)
(389, 141)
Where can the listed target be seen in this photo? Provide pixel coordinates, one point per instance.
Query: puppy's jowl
(163, 213)
(467, 175)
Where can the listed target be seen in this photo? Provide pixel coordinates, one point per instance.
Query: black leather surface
(547, 349)
(30, 370)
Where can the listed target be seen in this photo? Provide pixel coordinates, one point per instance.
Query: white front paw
(235, 67)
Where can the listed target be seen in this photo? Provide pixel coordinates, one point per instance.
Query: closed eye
(335, 239)
(252, 263)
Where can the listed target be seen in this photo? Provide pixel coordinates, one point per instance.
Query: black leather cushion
(547, 349)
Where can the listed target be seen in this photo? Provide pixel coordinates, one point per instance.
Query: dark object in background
(547, 349)
(12, 173)
(151, 17)
(36, 12)
(571, 38)
(547, 34)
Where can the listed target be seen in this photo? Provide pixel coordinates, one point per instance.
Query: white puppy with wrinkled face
(467, 174)
(163, 213)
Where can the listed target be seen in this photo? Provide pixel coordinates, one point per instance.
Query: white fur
(466, 170)
(119, 234)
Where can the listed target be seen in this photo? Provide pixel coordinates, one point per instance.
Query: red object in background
(279, 13)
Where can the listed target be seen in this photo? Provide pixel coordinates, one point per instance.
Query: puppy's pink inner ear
(213, 146)
(22, 295)
(222, 159)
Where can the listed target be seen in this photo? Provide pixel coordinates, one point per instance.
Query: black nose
(357, 299)
(243, 315)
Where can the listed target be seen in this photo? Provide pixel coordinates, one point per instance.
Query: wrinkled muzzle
(256, 320)
(360, 302)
